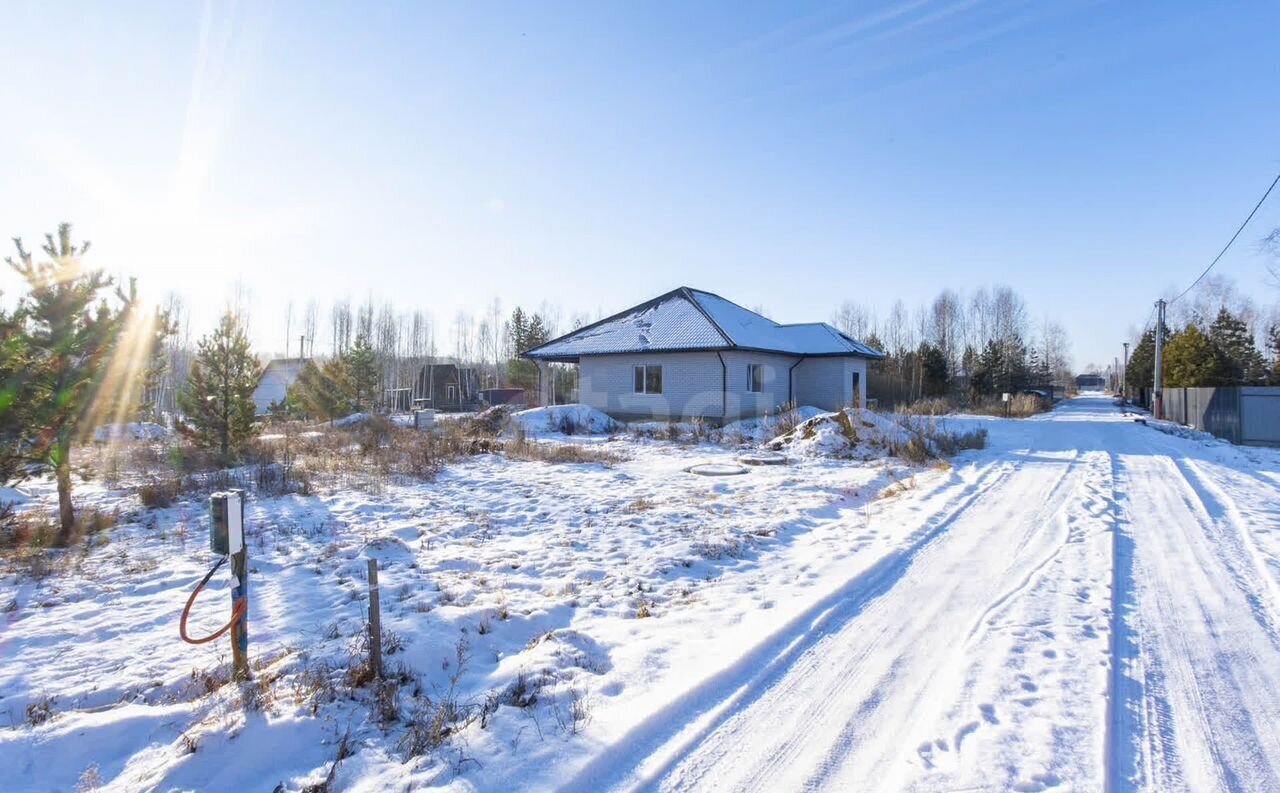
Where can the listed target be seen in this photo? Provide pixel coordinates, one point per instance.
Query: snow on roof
(691, 319)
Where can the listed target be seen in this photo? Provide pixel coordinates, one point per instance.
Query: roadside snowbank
(564, 419)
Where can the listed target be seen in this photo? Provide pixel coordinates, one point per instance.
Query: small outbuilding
(446, 385)
(277, 377)
(693, 354)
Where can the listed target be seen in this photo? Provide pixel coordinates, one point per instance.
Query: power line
(1221, 253)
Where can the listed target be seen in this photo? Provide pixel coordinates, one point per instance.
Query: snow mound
(130, 431)
(566, 419)
(763, 428)
(852, 432)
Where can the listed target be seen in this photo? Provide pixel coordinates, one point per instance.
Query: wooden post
(240, 587)
(375, 622)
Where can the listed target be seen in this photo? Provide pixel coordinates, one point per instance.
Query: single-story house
(447, 386)
(277, 377)
(693, 354)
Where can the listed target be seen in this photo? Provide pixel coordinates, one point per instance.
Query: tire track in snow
(842, 711)
(1025, 715)
(1207, 659)
(848, 766)
(653, 747)
(1216, 501)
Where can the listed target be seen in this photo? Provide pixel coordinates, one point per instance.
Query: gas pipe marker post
(226, 541)
(232, 509)
(240, 577)
(375, 622)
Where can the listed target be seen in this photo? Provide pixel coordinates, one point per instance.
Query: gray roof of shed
(688, 319)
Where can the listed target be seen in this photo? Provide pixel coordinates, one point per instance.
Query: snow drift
(566, 419)
(763, 428)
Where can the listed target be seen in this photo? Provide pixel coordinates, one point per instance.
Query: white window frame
(640, 377)
(755, 378)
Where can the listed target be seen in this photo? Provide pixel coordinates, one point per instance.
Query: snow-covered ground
(1086, 604)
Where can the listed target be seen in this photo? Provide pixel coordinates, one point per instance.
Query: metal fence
(1241, 414)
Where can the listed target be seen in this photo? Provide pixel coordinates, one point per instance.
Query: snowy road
(1088, 605)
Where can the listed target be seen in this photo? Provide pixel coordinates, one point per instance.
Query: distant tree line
(964, 349)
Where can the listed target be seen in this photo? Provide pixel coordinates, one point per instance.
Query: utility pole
(1157, 400)
(1124, 377)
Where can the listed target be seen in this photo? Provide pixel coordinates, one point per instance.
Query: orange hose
(237, 611)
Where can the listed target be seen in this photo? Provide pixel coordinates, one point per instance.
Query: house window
(755, 378)
(857, 395)
(648, 379)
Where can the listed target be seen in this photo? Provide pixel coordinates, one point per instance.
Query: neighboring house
(447, 386)
(692, 354)
(275, 381)
(1090, 382)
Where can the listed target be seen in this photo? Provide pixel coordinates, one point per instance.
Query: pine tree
(1243, 363)
(160, 326)
(1141, 371)
(1273, 345)
(361, 371)
(526, 332)
(934, 380)
(218, 401)
(322, 390)
(985, 378)
(1192, 360)
(15, 404)
(1012, 375)
(70, 331)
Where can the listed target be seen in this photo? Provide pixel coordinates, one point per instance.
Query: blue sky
(1089, 154)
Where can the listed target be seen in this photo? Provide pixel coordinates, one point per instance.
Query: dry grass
(1020, 406)
(927, 440)
(553, 452)
(27, 537)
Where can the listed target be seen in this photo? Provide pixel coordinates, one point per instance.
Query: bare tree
(310, 320)
(853, 319)
(946, 327)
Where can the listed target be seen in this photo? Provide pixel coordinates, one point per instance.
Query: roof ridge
(687, 293)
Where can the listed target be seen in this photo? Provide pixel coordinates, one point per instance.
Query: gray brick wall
(691, 384)
(827, 383)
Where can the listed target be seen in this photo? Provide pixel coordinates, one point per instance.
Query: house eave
(532, 356)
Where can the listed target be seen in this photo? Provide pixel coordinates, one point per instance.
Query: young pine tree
(322, 390)
(218, 400)
(360, 367)
(160, 326)
(15, 407)
(70, 331)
